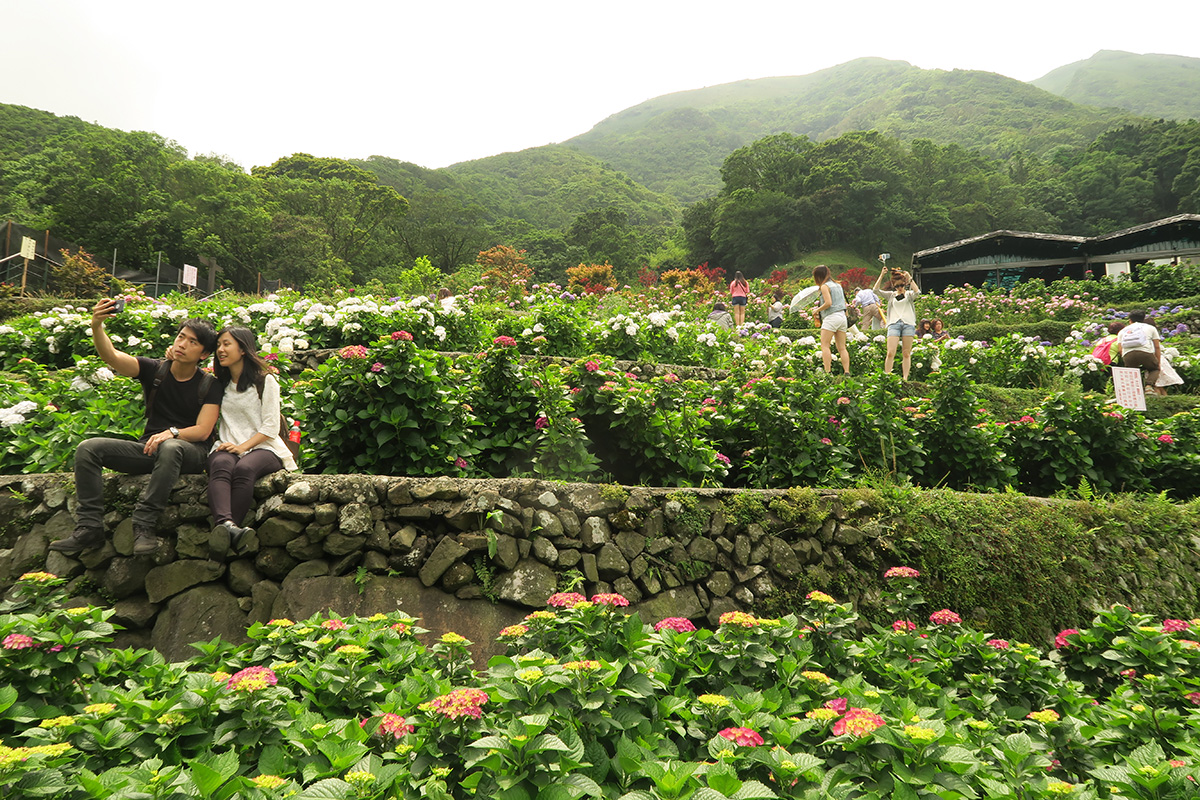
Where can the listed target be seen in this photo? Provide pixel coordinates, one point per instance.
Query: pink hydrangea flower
(742, 736)
(1174, 625)
(610, 599)
(999, 644)
(679, 624)
(945, 617)
(565, 599)
(901, 572)
(334, 625)
(592, 366)
(826, 441)
(403, 336)
(251, 679)
(1060, 641)
(514, 630)
(377, 367)
(353, 351)
(858, 722)
(541, 423)
(724, 459)
(838, 704)
(391, 724)
(1166, 439)
(460, 462)
(457, 704)
(903, 625)
(17, 641)
(505, 341)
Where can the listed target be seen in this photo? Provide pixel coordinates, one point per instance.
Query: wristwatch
(174, 432)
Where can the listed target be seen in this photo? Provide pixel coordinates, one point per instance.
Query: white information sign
(1131, 393)
(28, 247)
(189, 275)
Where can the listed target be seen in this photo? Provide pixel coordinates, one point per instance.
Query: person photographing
(182, 402)
(901, 295)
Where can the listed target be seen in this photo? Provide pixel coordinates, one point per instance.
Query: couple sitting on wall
(182, 406)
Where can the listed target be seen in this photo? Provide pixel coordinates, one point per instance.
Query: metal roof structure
(1051, 256)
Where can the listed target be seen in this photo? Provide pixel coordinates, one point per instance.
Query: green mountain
(1153, 85)
(676, 143)
(544, 186)
(25, 130)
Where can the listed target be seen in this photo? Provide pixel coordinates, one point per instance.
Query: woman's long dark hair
(254, 369)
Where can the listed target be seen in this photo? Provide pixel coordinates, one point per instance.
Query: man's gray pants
(173, 458)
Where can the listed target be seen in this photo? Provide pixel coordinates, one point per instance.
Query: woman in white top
(901, 295)
(248, 445)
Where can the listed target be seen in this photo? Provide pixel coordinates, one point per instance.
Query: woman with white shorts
(832, 316)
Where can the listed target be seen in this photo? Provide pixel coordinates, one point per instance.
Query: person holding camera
(901, 295)
(182, 402)
(831, 314)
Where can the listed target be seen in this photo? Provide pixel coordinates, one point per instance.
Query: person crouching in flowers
(248, 444)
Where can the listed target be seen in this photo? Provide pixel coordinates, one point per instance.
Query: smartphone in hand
(118, 305)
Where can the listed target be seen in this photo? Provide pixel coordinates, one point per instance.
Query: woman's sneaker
(145, 541)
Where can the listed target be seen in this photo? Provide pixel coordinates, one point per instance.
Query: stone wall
(465, 555)
(473, 556)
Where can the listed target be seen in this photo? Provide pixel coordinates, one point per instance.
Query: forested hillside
(1152, 85)
(785, 195)
(676, 143)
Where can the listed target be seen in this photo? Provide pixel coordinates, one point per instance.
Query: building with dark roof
(1003, 258)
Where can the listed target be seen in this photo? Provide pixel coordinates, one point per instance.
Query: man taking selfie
(182, 401)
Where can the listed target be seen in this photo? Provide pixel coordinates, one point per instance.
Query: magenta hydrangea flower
(403, 336)
(680, 624)
(826, 441)
(377, 367)
(724, 459)
(565, 599)
(1193, 697)
(858, 722)
(902, 625)
(1174, 625)
(505, 341)
(742, 736)
(999, 644)
(1060, 641)
(541, 423)
(17, 641)
(838, 704)
(610, 599)
(945, 617)
(901, 572)
(592, 366)
(1166, 439)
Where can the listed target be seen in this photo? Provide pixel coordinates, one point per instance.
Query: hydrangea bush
(588, 702)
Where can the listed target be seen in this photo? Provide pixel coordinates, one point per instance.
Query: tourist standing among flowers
(739, 290)
(831, 313)
(1140, 345)
(868, 304)
(248, 443)
(901, 295)
(181, 409)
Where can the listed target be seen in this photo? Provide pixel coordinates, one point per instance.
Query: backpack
(1134, 336)
(289, 434)
(1103, 351)
(164, 366)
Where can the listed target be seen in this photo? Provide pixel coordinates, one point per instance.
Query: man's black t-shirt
(176, 404)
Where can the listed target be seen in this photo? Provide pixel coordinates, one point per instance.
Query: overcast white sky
(438, 82)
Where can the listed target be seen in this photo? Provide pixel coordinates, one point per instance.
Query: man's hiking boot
(145, 541)
(82, 539)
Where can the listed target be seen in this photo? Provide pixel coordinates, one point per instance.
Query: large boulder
(198, 615)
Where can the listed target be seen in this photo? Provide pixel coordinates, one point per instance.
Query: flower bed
(589, 703)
